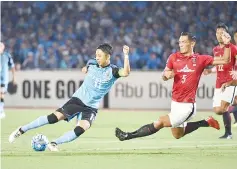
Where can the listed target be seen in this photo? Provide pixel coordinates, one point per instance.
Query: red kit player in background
(222, 100)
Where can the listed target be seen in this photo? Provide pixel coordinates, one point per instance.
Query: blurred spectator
(133, 57)
(48, 29)
(153, 62)
(65, 62)
(29, 62)
(118, 61)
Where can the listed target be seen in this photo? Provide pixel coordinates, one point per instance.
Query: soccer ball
(39, 142)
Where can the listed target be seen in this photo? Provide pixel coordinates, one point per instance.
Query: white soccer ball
(39, 142)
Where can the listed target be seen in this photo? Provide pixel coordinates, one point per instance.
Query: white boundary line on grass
(162, 147)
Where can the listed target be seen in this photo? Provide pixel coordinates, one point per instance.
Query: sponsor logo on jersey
(186, 69)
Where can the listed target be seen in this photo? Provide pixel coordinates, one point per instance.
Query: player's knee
(177, 136)
(84, 124)
(163, 121)
(52, 118)
(218, 111)
(158, 124)
(178, 132)
(79, 131)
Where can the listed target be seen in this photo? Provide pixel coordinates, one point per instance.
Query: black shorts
(75, 107)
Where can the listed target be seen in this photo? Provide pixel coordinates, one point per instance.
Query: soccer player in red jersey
(186, 68)
(222, 100)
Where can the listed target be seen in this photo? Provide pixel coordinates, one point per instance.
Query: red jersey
(223, 71)
(187, 70)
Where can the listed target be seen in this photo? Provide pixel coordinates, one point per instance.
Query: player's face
(219, 32)
(185, 45)
(101, 57)
(235, 38)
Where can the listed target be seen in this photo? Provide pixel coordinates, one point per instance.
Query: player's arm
(84, 69)
(167, 74)
(227, 84)
(89, 62)
(209, 71)
(226, 56)
(124, 72)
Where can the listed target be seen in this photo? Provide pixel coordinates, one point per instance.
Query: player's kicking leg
(41, 121)
(84, 121)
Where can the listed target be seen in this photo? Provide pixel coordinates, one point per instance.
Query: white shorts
(181, 113)
(228, 95)
(3, 88)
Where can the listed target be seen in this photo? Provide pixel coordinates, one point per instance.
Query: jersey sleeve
(207, 60)
(91, 62)
(169, 63)
(115, 71)
(10, 61)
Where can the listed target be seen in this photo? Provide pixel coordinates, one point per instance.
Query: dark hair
(191, 37)
(107, 48)
(222, 25)
(235, 31)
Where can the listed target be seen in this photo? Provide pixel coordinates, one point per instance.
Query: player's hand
(233, 74)
(169, 74)
(125, 50)
(226, 37)
(207, 71)
(225, 85)
(84, 69)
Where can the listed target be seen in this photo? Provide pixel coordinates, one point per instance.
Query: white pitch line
(161, 147)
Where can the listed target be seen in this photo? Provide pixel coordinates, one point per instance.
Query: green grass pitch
(98, 148)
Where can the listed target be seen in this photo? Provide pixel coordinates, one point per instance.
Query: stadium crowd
(63, 35)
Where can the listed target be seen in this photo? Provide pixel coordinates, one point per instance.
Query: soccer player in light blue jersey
(100, 77)
(6, 63)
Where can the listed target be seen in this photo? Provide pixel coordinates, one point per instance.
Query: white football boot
(53, 147)
(15, 134)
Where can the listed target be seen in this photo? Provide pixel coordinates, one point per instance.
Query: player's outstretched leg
(209, 122)
(152, 128)
(227, 124)
(81, 127)
(41, 121)
(145, 130)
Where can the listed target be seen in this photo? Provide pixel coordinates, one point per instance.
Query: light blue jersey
(97, 83)
(6, 64)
